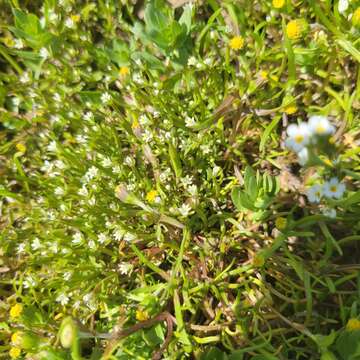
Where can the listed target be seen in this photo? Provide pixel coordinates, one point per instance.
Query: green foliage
(258, 193)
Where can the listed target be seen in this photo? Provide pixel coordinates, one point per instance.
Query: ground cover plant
(179, 180)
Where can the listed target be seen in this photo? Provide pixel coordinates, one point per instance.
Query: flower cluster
(310, 141)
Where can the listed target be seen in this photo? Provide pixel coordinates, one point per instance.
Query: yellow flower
(280, 223)
(124, 70)
(290, 109)
(237, 43)
(151, 195)
(75, 18)
(135, 124)
(296, 28)
(141, 315)
(16, 338)
(353, 324)
(21, 147)
(278, 4)
(14, 352)
(356, 17)
(264, 74)
(16, 310)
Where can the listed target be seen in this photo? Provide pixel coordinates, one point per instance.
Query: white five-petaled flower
(330, 213)
(320, 125)
(62, 299)
(334, 188)
(299, 136)
(185, 209)
(105, 97)
(315, 193)
(343, 5)
(303, 156)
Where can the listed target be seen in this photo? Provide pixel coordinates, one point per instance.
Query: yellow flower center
(151, 195)
(16, 310)
(333, 188)
(353, 324)
(320, 129)
(277, 4)
(237, 43)
(299, 139)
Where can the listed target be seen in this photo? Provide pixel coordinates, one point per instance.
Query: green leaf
(175, 160)
(214, 354)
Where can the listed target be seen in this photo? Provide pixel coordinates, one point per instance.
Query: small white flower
(83, 191)
(117, 169)
(192, 189)
(21, 248)
(35, 245)
(343, 5)
(299, 136)
(334, 188)
(102, 238)
(44, 53)
(190, 121)
(91, 173)
(106, 162)
(59, 191)
(205, 149)
(62, 299)
(315, 193)
(129, 236)
(52, 146)
(185, 209)
(144, 120)
(69, 23)
(29, 282)
(216, 170)
(129, 160)
(77, 238)
(57, 97)
(105, 97)
(18, 44)
(331, 213)
(320, 125)
(118, 234)
(125, 268)
(186, 181)
(92, 244)
(25, 78)
(192, 61)
(88, 116)
(67, 275)
(303, 156)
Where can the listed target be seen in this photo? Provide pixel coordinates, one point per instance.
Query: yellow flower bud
(295, 29)
(353, 324)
